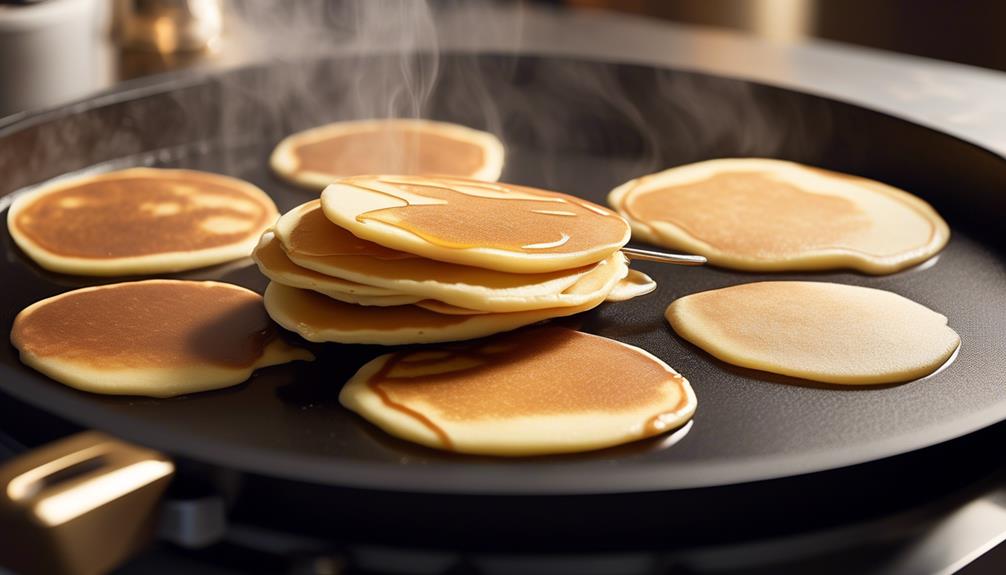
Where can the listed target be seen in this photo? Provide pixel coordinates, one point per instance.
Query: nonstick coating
(581, 128)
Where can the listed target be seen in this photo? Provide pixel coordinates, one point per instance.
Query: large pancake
(538, 391)
(158, 338)
(500, 227)
(770, 215)
(140, 221)
(319, 318)
(313, 242)
(820, 331)
(317, 157)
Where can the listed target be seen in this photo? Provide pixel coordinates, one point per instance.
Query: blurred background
(53, 51)
(965, 31)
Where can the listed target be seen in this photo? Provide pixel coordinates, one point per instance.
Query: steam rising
(323, 61)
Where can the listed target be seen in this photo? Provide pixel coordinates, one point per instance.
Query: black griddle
(280, 446)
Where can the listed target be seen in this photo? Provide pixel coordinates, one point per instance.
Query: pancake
(274, 264)
(447, 309)
(770, 215)
(540, 391)
(319, 318)
(158, 338)
(819, 331)
(501, 227)
(633, 285)
(315, 158)
(140, 221)
(313, 242)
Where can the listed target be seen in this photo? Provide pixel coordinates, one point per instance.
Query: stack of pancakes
(408, 259)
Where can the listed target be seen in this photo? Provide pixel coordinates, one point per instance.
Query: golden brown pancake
(319, 318)
(771, 215)
(158, 338)
(320, 156)
(820, 331)
(140, 221)
(313, 242)
(274, 264)
(532, 392)
(501, 227)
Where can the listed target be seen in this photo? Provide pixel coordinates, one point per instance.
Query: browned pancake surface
(390, 150)
(556, 223)
(122, 215)
(157, 323)
(750, 213)
(543, 371)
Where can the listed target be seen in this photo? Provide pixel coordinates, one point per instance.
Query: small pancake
(317, 157)
(319, 318)
(770, 215)
(313, 242)
(500, 227)
(274, 264)
(633, 285)
(140, 221)
(820, 331)
(158, 338)
(539, 391)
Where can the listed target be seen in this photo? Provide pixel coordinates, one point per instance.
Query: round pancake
(313, 242)
(633, 285)
(770, 215)
(500, 227)
(274, 264)
(539, 391)
(317, 157)
(140, 221)
(158, 338)
(820, 331)
(319, 318)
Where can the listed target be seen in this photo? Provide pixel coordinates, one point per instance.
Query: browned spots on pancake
(320, 312)
(537, 372)
(158, 323)
(391, 150)
(751, 213)
(315, 235)
(125, 215)
(555, 223)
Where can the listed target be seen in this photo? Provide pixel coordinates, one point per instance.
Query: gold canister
(168, 26)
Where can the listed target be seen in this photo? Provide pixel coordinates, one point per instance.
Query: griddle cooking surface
(286, 421)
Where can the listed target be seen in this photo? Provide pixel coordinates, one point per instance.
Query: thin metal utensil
(677, 259)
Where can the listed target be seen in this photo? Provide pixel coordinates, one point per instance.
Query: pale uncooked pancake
(319, 318)
(273, 263)
(533, 392)
(820, 331)
(140, 221)
(501, 227)
(313, 242)
(771, 215)
(633, 285)
(158, 338)
(315, 158)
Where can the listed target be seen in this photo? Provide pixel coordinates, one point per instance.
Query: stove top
(957, 531)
